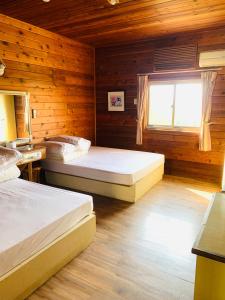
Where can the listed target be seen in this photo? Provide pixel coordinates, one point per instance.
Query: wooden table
(31, 153)
(210, 250)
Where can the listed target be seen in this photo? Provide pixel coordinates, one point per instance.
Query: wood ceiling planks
(98, 23)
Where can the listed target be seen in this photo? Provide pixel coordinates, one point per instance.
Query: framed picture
(116, 101)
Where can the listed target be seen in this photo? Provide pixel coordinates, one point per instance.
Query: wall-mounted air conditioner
(212, 59)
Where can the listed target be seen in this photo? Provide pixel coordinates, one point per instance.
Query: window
(175, 104)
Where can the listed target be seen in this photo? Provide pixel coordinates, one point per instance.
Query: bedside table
(31, 153)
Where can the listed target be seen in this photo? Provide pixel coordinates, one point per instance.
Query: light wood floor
(141, 251)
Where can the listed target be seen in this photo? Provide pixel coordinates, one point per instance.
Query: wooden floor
(141, 251)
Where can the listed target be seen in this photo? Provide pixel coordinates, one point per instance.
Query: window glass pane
(188, 105)
(161, 104)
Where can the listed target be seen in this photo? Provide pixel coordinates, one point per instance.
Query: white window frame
(171, 127)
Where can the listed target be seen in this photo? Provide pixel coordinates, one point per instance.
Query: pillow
(84, 145)
(65, 139)
(61, 151)
(11, 172)
(81, 143)
(58, 148)
(67, 156)
(9, 157)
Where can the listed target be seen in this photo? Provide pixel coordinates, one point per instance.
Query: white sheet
(118, 166)
(34, 215)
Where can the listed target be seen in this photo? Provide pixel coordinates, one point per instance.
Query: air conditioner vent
(175, 58)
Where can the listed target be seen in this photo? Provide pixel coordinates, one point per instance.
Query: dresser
(210, 250)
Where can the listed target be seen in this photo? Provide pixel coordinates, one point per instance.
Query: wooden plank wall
(58, 73)
(116, 69)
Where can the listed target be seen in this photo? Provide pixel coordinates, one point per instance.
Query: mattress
(33, 216)
(118, 166)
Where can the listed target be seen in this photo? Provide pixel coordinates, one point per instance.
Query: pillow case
(61, 151)
(67, 156)
(9, 157)
(81, 143)
(8, 173)
(55, 147)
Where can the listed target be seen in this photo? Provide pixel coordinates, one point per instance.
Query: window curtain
(208, 82)
(142, 98)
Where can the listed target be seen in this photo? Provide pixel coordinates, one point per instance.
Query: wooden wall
(58, 73)
(116, 69)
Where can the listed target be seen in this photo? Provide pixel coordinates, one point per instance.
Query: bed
(42, 229)
(117, 173)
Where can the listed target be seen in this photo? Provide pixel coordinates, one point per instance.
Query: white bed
(35, 221)
(32, 216)
(117, 173)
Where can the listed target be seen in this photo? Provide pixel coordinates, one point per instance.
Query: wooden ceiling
(98, 23)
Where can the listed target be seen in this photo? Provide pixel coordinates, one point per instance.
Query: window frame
(171, 127)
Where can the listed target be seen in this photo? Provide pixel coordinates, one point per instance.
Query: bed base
(121, 192)
(24, 279)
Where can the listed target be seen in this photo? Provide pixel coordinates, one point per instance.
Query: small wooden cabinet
(31, 154)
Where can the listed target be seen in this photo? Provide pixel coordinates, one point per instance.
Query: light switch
(34, 113)
(135, 101)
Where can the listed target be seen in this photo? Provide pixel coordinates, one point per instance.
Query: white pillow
(81, 143)
(61, 151)
(58, 148)
(67, 156)
(8, 157)
(11, 172)
(84, 145)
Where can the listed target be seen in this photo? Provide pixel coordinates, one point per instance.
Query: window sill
(174, 130)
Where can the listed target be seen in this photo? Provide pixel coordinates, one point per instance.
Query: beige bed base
(32, 273)
(122, 192)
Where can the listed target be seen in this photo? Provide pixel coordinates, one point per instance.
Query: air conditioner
(212, 59)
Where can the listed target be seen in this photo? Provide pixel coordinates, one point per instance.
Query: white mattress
(34, 215)
(118, 166)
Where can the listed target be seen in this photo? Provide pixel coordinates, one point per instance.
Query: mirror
(15, 120)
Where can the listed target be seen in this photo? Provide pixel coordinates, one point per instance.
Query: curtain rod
(181, 71)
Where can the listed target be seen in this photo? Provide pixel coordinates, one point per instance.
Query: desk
(31, 153)
(210, 250)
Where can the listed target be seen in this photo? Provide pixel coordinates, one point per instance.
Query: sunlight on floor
(172, 233)
(203, 194)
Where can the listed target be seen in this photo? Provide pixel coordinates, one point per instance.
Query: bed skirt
(117, 191)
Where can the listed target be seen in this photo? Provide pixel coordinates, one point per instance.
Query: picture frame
(116, 101)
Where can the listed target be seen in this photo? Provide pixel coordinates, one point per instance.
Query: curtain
(208, 82)
(142, 98)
